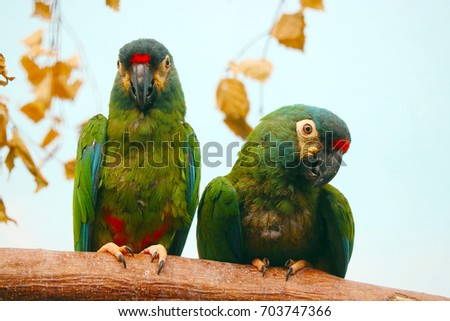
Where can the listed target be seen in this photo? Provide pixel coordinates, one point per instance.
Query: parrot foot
(157, 251)
(117, 251)
(295, 266)
(261, 265)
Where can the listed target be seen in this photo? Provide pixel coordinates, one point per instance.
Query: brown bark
(51, 275)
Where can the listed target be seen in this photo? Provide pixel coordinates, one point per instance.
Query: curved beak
(142, 84)
(323, 166)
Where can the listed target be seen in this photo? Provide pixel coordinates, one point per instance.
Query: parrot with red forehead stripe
(137, 173)
(276, 206)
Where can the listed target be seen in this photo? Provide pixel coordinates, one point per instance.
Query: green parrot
(276, 206)
(137, 173)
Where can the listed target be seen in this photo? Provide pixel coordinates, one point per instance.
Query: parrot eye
(167, 62)
(307, 129)
(118, 64)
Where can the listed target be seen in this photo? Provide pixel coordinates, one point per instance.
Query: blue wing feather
(192, 181)
(87, 180)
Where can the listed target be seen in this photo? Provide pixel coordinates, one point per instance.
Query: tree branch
(51, 275)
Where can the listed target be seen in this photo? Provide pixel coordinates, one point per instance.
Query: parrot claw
(117, 251)
(161, 265)
(157, 251)
(289, 271)
(261, 265)
(122, 259)
(154, 255)
(295, 266)
(129, 250)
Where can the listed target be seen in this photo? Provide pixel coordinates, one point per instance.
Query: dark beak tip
(142, 85)
(325, 169)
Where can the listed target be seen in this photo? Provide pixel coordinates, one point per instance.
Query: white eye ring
(306, 127)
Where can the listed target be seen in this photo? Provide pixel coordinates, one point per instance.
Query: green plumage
(145, 189)
(267, 207)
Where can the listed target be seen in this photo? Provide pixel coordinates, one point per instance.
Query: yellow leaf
(21, 150)
(42, 10)
(69, 168)
(232, 101)
(37, 51)
(64, 90)
(4, 117)
(258, 69)
(4, 72)
(289, 30)
(61, 86)
(51, 135)
(232, 98)
(35, 39)
(44, 90)
(2, 63)
(3, 217)
(9, 161)
(34, 110)
(73, 61)
(113, 4)
(239, 126)
(313, 4)
(35, 73)
(34, 43)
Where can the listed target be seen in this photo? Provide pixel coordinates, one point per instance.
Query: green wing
(87, 180)
(191, 159)
(340, 230)
(219, 233)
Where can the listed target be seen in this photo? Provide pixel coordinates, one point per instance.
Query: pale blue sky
(382, 66)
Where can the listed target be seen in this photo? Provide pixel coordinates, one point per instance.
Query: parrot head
(308, 140)
(146, 71)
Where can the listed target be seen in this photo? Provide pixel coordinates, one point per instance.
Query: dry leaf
(4, 72)
(289, 30)
(239, 126)
(113, 4)
(3, 217)
(64, 90)
(22, 151)
(232, 98)
(35, 39)
(233, 102)
(34, 44)
(44, 91)
(73, 61)
(51, 135)
(9, 161)
(42, 10)
(37, 51)
(258, 69)
(69, 168)
(61, 87)
(4, 117)
(35, 73)
(34, 110)
(313, 4)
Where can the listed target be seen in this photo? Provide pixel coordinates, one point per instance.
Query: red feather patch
(115, 224)
(341, 144)
(151, 238)
(139, 58)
